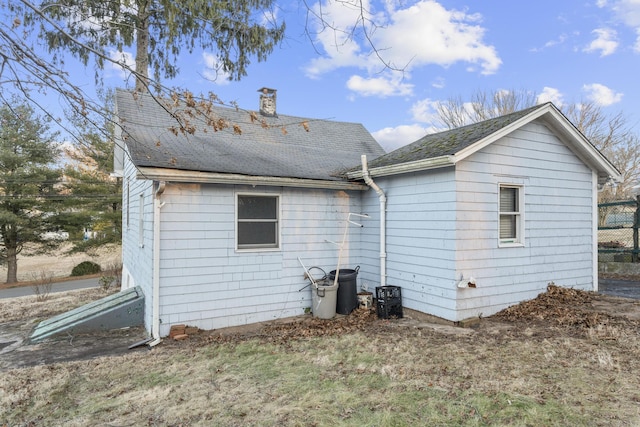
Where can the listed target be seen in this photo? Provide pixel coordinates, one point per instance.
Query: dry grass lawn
(59, 264)
(568, 358)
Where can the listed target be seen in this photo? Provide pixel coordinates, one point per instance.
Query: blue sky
(566, 51)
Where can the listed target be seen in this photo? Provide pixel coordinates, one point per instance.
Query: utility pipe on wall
(155, 322)
(383, 219)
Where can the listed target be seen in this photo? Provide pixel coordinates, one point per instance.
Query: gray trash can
(347, 299)
(323, 296)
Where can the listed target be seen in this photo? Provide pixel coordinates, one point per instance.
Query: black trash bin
(347, 298)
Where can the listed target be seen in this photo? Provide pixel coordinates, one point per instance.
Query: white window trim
(279, 223)
(127, 202)
(519, 241)
(141, 221)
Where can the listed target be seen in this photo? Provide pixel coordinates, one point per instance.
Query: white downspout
(383, 219)
(155, 322)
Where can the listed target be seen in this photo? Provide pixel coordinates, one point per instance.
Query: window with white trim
(257, 221)
(128, 193)
(141, 222)
(511, 227)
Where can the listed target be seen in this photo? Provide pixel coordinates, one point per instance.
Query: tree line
(48, 190)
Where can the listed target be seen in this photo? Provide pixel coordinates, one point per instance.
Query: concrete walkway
(619, 288)
(69, 285)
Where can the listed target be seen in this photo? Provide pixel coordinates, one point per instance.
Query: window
(127, 202)
(257, 221)
(141, 222)
(511, 206)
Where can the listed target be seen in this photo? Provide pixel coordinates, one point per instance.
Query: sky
(564, 51)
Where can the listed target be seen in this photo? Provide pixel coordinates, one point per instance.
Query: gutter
(155, 294)
(173, 175)
(415, 166)
(383, 219)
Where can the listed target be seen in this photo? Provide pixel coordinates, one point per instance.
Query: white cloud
(602, 95)
(425, 111)
(439, 83)
(379, 86)
(122, 60)
(636, 46)
(427, 33)
(213, 70)
(628, 11)
(605, 42)
(550, 94)
(396, 137)
(562, 38)
(423, 34)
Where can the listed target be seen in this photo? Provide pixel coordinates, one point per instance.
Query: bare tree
(454, 112)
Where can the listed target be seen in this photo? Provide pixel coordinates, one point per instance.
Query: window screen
(257, 225)
(508, 212)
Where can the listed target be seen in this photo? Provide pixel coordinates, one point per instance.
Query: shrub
(85, 268)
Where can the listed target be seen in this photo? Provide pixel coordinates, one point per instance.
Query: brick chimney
(267, 102)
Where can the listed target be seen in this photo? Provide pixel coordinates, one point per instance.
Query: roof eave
(400, 168)
(572, 137)
(583, 148)
(175, 175)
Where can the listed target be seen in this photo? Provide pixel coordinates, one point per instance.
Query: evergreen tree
(236, 31)
(29, 183)
(93, 209)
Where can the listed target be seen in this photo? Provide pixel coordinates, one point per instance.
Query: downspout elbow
(367, 179)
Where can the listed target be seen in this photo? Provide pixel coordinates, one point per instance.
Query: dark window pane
(257, 234)
(257, 207)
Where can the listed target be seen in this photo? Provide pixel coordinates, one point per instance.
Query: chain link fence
(618, 231)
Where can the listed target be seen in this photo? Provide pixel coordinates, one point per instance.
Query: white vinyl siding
(420, 250)
(557, 202)
(206, 282)
(137, 262)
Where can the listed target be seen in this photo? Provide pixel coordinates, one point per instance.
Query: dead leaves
(303, 328)
(198, 114)
(559, 306)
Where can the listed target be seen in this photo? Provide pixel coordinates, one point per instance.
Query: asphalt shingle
(448, 142)
(285, 148)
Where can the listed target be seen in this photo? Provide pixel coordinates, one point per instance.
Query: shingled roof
(449, 142)
(281, 146)
(446, 148)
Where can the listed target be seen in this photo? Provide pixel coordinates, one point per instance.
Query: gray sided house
(214, 222)
(485, 216)
(466, 222)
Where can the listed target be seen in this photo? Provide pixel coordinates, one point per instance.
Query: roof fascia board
(174, 175)
(583, 148)
(415, 166)
(473, 148)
